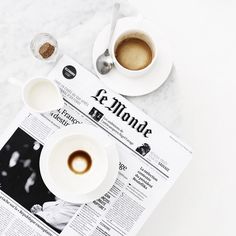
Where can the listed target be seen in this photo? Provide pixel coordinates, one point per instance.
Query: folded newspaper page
(151, 159)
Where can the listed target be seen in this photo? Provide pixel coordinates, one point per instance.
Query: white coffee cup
(137, 33)
(92, 179)
(41, 95)
(65, 177)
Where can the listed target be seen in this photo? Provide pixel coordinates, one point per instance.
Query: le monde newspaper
(151, 159)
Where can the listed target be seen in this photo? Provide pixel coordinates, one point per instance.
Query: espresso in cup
(79, 162)
(134, 50)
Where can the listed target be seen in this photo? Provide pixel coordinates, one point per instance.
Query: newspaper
(151, 159)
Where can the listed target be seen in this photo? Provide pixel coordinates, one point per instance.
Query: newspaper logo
(69, 72)
(120, 110)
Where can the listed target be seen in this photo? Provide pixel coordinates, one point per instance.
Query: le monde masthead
(120, 110)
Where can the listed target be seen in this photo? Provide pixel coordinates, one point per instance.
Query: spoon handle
(115, 14)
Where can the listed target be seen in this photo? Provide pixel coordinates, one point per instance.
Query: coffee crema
(79, 162)
(133, 53)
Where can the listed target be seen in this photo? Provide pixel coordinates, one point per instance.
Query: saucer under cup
(145, 83)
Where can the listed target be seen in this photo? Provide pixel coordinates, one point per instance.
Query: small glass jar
(38, 41)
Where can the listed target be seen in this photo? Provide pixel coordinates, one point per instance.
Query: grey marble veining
(75, 24)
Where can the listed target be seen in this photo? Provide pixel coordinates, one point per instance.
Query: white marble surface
(202, 34)
(75, 24)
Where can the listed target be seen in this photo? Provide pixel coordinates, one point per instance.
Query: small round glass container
(41, 39)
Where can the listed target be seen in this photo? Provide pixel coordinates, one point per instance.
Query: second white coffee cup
(133, 32)
(79, 163)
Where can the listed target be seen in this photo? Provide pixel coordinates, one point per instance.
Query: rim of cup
(134, 33)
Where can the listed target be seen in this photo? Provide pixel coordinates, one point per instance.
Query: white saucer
(144, 84)
(76, 196)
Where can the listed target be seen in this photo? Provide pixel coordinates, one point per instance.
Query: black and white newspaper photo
(21, 180)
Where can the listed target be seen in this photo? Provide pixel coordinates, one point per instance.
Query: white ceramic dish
(79, 188)
(143, 84)
(41, 95)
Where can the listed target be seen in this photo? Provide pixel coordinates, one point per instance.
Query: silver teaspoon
(104, 62)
